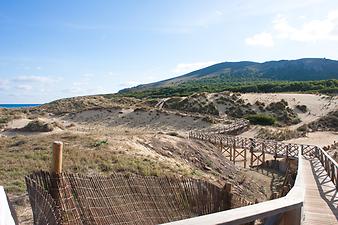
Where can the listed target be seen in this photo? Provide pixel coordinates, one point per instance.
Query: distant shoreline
(9, 106)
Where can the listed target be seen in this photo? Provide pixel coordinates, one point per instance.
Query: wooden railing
(238, 124)
(329, 164)
(285, 210)
(288, 207)
(237, 147)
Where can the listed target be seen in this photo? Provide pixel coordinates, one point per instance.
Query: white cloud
(308, 31)
(37, 79)
(24, 87)
(88, 75)
(130, 83)
(262, 39)
(189, 67)
(81, 89)
(4, 85)
(218, 12)
(325, 29)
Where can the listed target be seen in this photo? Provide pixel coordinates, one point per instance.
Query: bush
(302, 108)
(100, 143)
(38, 126)
(4, 119)
(261, 119)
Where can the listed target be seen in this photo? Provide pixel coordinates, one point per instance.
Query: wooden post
(293, 217)
(227, 188)
(287, 151)
(234, 152)
(57, 157)
(263, 152)
(245, 157)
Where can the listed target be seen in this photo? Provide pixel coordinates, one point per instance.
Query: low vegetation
(195, 103)
(21, 155)
(261, 119)
(282, 112)
(214, 85)
(328, 123)
(302, 108)
(38, 126)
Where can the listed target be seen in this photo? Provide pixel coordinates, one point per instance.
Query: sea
(8, 106)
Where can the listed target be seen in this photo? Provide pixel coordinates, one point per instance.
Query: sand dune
(318, 105)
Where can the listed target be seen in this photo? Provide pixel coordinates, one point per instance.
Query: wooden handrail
(292, 201)
(283, 149)
(329, 164)
(329, 157)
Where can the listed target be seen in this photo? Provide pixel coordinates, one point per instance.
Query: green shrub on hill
(246, 86)
(261, 119)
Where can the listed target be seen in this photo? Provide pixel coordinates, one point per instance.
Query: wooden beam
(57, 157)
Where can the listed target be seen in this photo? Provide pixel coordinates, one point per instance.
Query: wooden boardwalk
(319, 173)
(321, 197)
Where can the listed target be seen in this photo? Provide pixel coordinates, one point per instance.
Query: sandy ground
(320, 138)
(17, 123)
(318, 105)
(153, 119)
(12, 126)
(317, 138)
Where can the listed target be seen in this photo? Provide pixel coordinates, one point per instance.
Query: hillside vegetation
(215, 85)
(272, 76)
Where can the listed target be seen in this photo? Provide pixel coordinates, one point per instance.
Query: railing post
(263, 152)
(57, 157)
(56, 170)
(228, 188)
(245, 157)
(293, 217)
(234, 151)
(287, 151)
(317, 152)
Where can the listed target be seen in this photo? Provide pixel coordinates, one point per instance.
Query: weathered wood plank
(321, 197)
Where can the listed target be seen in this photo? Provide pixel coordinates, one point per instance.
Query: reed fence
(72, 199)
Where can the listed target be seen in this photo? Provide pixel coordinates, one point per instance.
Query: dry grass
(20, 155)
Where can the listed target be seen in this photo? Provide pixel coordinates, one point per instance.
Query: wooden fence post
(234, 152)
(57, 157)
(245, 157)
(228, 188)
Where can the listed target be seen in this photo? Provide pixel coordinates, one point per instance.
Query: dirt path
(317, 138)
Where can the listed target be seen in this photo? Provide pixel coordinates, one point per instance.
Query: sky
(56, 49)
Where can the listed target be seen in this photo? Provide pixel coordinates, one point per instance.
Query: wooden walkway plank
(321, 197)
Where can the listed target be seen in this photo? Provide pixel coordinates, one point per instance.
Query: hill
(220, 76)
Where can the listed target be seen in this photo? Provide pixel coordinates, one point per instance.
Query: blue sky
(56, 49)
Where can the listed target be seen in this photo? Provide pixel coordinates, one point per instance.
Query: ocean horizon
(8, 106)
